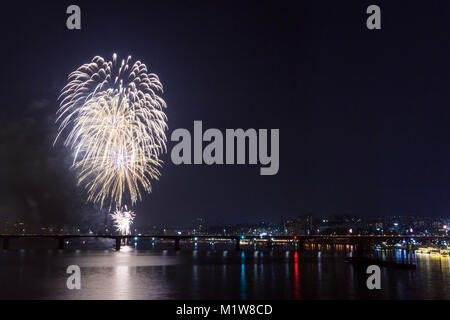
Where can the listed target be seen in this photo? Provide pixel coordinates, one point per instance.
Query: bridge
(360, 242)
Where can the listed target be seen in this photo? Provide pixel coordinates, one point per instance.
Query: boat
(443, 251)
(423, 250)
(435, 252)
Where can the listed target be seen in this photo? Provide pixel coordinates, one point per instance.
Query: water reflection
(243, 289)
(296, 278)
(122, 282)
(217, 274)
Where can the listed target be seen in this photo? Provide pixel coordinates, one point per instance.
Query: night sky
(363, 115)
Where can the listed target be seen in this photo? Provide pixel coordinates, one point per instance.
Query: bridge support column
(362, 247)
(5, 243)
(300, 245)
(177, 244)
(238, 244)
(60, 243)
(358, 248)
(269, 243)
(118, 243)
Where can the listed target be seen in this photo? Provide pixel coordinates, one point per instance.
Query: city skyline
(306, 224)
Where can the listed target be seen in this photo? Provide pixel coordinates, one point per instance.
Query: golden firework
(115, 126)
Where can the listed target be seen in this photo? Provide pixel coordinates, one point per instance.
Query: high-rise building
(200, 225)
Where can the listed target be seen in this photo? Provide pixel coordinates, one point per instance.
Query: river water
(145, 271)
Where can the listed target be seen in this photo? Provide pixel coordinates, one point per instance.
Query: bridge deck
(361, 241)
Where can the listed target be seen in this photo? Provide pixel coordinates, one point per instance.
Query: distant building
(200, 225)
(299, 226)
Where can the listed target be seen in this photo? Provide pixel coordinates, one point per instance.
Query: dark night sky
(363, 115)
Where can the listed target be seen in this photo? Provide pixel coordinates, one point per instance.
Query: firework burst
(115, 124)
(123, 219)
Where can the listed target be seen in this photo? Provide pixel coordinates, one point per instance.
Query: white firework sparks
(122, 220)
(116, 127)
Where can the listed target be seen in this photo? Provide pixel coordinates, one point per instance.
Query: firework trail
(114, 122)
(122, 220)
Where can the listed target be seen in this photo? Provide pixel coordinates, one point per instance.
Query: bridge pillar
(5, 243)
(362, 247)
(269, 243)
(118, 242)
(300, 245)
(177, 244)
(238, 244)
(60, 243)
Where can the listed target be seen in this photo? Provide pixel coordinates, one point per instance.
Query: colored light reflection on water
(296, 277)
(219, 273)
(243, 290)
